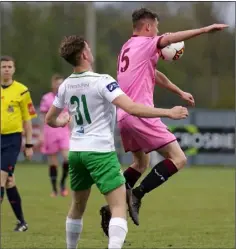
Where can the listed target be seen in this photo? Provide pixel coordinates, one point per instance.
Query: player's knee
(140, 167)
(4, 176)
(180, 161)
(10, 182)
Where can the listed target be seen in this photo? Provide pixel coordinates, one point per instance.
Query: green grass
(195, 209)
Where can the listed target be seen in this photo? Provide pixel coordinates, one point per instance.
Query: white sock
(73, 231)
(117, 233)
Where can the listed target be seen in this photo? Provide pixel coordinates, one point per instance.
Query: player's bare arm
(52, 117)
(163, 81)
(139, 110)
(188, 34)
(28, 138)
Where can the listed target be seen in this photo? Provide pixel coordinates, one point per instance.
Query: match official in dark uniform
(17, 111)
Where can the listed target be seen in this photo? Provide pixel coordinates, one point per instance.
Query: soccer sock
(2, 193)
(158, 175)
(65, 169)
(73, 231)
(131, 175)
(53, 177)
(117, 233)
(15, 201)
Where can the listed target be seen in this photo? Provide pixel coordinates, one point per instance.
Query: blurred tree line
(31, 33)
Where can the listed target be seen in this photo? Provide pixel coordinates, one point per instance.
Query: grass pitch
(194, 209)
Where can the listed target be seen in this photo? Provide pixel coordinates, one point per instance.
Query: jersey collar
(4, 87)
(81, 72)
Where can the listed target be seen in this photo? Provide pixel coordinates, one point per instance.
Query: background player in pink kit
(54, 141)
(137, 78)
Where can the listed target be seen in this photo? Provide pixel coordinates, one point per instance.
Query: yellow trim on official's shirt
(16, 107)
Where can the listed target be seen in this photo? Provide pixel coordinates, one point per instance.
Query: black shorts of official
(10, 149)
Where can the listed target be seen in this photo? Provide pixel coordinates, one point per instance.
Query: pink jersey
(136, 69)
(45, 105)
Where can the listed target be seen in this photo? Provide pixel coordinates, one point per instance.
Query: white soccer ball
(173, 52)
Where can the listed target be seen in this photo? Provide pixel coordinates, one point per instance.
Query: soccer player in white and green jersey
(91, 99)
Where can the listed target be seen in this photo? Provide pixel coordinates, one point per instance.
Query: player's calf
(157, 176)
(14, 199)
(132, 174)
(175, 160)
(118, 229)
(105, 213)
(4, 176)
(53, 177)
(65, 169)
(74, 220)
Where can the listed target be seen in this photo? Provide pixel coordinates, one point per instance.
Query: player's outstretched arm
(188, 34)
(139, 110)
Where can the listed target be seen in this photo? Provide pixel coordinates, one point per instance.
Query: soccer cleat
(136, 204)
(21, 227)
(64, 192)
(53, 194)
(132, 206)
(106, 216)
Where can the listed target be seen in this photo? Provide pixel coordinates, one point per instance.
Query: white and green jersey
(88, 98)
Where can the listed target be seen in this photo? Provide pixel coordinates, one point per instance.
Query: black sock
(15, 201)
(131, 176)
(65, 169)
(2, 193)
(53, 177)
(158, 175)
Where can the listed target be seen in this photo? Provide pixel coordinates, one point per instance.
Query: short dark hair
(141, 14)
(71, 48)
(7, 58)
(57, 76)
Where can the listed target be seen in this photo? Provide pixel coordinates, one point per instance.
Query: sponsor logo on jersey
(112, 86)
(81, 85)
(80, 130)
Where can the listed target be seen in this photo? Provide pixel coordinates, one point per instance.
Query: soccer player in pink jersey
(54, 141)
(137, 78)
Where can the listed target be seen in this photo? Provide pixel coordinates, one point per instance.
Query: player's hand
(215, 27)
(28, 153)
(178, 112)
(64, 119)
(188, 97)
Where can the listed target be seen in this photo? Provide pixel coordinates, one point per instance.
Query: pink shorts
(55, 143)
(144, 134)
